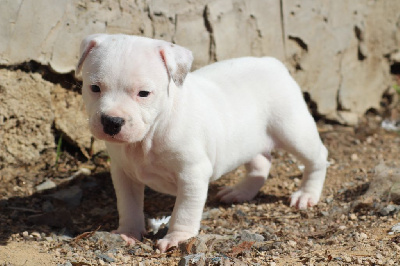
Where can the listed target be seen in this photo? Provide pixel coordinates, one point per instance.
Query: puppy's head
(126, 83)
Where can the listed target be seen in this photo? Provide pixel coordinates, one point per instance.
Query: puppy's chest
(153, 170)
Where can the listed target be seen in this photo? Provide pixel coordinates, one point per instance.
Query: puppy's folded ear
(177, 60)
(86, 46)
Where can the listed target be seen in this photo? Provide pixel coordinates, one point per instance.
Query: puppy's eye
(143, 93)
(95, 88)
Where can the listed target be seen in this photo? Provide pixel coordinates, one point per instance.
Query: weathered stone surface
(71, 120)
(245, 28)
(25, 118)
(336, 50)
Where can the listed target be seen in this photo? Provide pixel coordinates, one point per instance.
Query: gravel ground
(66, 220)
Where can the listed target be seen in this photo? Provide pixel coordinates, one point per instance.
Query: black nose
(112, 125)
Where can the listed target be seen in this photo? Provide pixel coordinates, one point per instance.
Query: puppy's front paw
(302, 200)
(172, 240)
(129, 237)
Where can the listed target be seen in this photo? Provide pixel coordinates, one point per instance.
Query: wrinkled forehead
(122, 63)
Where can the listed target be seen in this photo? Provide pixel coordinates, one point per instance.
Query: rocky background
(341, 52)
(57, 202)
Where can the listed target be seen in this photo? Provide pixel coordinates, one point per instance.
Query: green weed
(58, 152)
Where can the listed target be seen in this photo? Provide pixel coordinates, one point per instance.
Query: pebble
(347, 259)
(292, 243)
(325, 213)
(395, 229)
(354, 157)
(125, 259)
(390, 209)
(192, 259)
(36, 235)
(66, 264)
(200, 244)
(363, 236)
(48, 184)
(246, 235)
(105, 258)
(328, 200)
(353, 217)
(25, 235)
(211, 214)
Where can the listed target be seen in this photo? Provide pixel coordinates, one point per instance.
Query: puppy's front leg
(188, 209)
(130, 197)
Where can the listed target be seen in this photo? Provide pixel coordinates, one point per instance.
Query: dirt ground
(351, 224)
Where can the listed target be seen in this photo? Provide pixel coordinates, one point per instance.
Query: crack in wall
(361, 54)
(212, 47)
(283, 30)
(299, 42)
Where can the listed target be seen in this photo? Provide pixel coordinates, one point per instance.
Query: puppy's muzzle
(112, 125)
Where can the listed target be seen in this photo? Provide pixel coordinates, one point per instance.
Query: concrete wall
(339, 51)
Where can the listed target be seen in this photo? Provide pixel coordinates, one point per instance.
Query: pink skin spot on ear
(162, 54)
(91, 45)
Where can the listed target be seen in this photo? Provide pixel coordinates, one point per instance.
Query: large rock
(338, 52)
(26, 117)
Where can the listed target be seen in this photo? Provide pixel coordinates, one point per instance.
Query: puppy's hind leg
(257, 172)
(300, 137)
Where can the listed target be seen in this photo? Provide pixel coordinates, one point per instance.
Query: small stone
(145, 247)
(389, 210)
(36, 235)
(192, 259)
(105, 258)
(363, 236)
(347, 259)
(353, 217)
(25, 235)
(246, 235)
(328, 200)
(342, 227)
(324, 213)
(201, 243)
(354, 157)
(48, 184)
(211, 214)
(292, 243)
(395, 228)
(125, 259)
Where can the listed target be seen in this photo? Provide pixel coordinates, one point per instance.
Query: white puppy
(176, 131)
